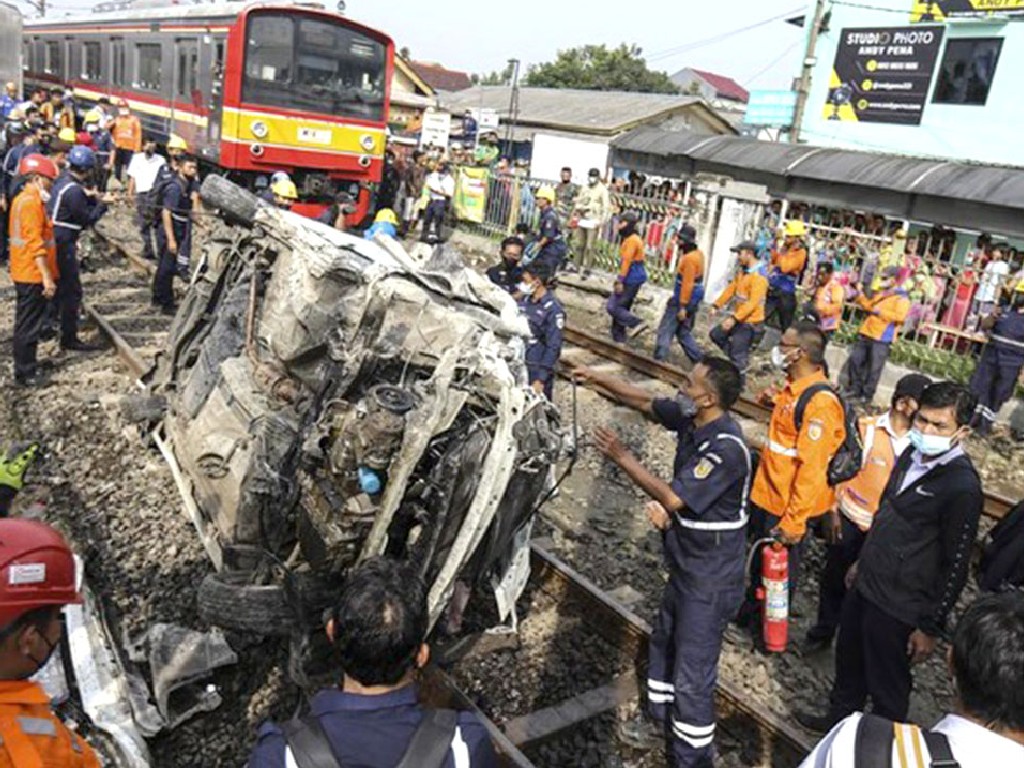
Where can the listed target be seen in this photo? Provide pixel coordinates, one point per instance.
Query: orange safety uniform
(127, 133)
(858, 498)
(31, 736)
(750, 290)
(690, 270)
(828, 302)
(790, 262)
(888, 311)
(792, 479)
(30, 236)
(631, 260)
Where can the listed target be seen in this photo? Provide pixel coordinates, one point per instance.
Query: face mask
(779, 360)
(593, 181)
(40, 663)
(930, 445)
(149, 153)
(526, 289)
(687, 405)
(44, 195)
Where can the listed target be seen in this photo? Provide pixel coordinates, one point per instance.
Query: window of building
(91, 61)
(117, 59)
(967, 71)
(54, 64)
(148, 66)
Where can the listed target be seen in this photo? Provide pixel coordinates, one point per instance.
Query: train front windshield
(313, 65)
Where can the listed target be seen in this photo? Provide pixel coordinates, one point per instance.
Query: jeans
(618, 307)
(433, 218)
(671, 326)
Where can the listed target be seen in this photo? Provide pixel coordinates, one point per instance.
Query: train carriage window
(91, 61)
(117, 58)
(54, 64)
(26, 56)
(148, 66)
(188, 68)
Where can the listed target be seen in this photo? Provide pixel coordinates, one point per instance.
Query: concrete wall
(988, 133)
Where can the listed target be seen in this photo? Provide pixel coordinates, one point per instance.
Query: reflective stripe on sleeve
(37, 726)
(781, 449)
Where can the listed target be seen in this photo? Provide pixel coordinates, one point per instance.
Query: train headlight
(259, 129)
(368, 142)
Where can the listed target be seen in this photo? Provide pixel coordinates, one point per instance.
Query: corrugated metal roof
(569, 109)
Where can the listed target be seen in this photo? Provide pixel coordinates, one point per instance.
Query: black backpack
(873, 746)
(428, 747)
(846, 464)
(1002, 559)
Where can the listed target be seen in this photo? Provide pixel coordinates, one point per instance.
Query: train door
(218, 52)
(186, 98)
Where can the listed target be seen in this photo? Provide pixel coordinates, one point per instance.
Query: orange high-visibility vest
(127, 133)
(30, 235)
(32, 736)
(858, 498)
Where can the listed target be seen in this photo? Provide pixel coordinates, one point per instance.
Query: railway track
(996, 505)
(122, 312)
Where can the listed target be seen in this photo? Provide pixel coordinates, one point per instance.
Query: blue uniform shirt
(177, 198)
(104, 143)
(556, 248)
(547, 319)
(1008, 337)
(11, 162)
(70, 209)
(6, 105)
(712, 472)
(374, 732)
(506, 275)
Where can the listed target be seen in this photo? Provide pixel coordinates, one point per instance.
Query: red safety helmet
(37, 568)
(37, 164)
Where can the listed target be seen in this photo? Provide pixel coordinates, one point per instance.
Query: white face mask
(44, 195)
(779, 359)
(526, 288)
(930, 445)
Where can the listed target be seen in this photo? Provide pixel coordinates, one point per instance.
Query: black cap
(746, 245)
(687, 233)
(629, 216)
(911, 385)
(594, 172)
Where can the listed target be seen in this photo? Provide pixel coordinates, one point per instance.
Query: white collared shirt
(919, 467)
(899, 444)
(973, 746)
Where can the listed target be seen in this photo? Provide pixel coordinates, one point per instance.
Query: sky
(673, 34)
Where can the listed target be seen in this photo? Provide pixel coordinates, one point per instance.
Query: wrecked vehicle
(330, 398)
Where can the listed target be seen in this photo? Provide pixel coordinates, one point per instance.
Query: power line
(772, 63)
(687, 47)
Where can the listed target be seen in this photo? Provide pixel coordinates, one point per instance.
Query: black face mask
(40, 663)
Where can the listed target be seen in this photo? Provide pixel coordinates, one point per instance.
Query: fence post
(513, 208)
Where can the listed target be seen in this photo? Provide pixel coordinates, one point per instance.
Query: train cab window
(54, 64)
(91, 61)
(307, 64)
(148, 66)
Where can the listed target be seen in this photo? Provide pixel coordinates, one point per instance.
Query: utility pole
(513, 104)
(804, 89)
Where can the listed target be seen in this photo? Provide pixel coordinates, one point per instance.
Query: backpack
(847, 462)
(428, 747)
(1002, 559)
(873, 746)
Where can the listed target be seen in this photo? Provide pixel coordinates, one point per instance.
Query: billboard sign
(771, 109)
(882, 74)
(940, 10)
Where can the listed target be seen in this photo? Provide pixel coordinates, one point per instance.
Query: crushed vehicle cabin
(330, 398)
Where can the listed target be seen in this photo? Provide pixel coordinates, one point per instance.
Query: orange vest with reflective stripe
(29, 236)
(858, 498)
(31, 736)
(127, 133)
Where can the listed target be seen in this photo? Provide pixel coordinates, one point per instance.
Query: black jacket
(915, 559)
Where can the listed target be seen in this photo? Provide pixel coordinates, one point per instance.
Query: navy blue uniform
(374, 732)
(506, 275)
(553, 254)
(1000, 365)
(176, 197)
(71, 211)
(547, 319)
(11, 162)
(104, 143)
(704, 551)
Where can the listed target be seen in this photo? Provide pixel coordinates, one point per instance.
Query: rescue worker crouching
(546, 319)
(34, 269)
(631, 278)
(174, 232)
(73, 207)
(38, 577)
(791, 486)
(1001, 361)
(687, 295)
(702, 514)
(738, 332)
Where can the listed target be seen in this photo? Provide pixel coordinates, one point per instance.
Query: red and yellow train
(252, 88)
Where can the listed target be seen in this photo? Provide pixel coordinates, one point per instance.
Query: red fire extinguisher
(773, 595)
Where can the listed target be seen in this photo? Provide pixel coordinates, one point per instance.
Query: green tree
(500, 77)
(599, 68)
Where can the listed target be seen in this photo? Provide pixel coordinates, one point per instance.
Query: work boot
(815, 722)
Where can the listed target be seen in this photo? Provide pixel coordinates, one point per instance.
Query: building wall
(986, 133)
(686, 80)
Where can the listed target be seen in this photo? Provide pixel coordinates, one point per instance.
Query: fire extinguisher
(773, 594)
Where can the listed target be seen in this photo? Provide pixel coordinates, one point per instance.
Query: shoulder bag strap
(308, 743)
(432, 740)
(805, 398)
(873, 747)
(938, 749)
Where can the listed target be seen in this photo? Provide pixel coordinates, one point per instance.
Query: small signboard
(770, 109)
(437, 127)
(882, 74)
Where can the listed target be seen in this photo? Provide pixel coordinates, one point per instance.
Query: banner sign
(770, 108)
(471, 194)
(940, 10)
(882, 74)
(436, 128)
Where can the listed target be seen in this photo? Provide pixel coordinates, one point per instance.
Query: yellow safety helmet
(795, 228)
(386, 216)
(1019, 287)
(177, 143)
(67, 134)
(285, 188)
(546, 193)
(93, 116)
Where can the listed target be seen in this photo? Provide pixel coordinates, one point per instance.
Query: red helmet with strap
(37, 568)
(38, 164)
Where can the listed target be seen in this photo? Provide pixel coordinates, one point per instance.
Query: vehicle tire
(229, 600)
(235, 203)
